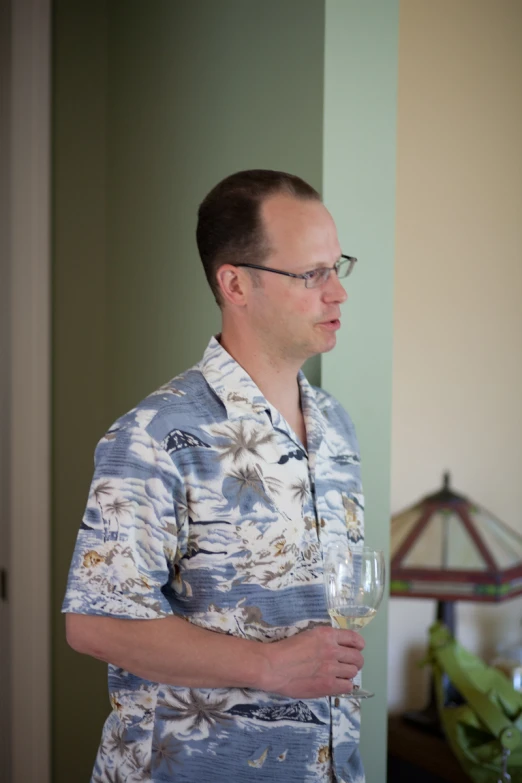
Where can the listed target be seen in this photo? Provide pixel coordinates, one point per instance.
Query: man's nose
(334, 290)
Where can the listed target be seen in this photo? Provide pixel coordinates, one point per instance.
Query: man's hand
(319, 662)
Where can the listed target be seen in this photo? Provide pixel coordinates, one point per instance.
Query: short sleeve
(128, 539)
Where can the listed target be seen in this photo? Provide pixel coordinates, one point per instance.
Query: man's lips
(331, 324)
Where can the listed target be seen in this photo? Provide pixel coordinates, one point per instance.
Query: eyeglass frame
(306, 275)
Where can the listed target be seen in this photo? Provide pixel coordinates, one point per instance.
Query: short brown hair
(229, 229)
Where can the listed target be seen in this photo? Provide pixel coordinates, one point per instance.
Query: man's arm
(314, 663)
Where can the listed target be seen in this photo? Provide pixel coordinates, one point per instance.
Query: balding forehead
(299, 226)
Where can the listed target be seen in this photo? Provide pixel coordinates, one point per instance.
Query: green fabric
(488, 722)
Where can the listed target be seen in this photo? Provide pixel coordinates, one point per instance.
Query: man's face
(293, 321)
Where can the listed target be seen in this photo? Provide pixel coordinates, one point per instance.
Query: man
(197, 573)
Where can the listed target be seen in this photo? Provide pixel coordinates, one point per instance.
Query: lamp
(448, 548)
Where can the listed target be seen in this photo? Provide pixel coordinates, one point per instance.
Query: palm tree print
(244, 487)
(187, 508)
(136, 764)
(110, 776)
(165, 753)
(272, 484)
(237, 442)
(198, 709)
(118, 507)
(218, 522)
(300, 491)
(103, 488)
(116, 744)
(112, 511)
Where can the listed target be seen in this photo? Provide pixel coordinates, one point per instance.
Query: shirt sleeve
(128, 539)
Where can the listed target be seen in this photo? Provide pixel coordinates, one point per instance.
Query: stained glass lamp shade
(448, 548)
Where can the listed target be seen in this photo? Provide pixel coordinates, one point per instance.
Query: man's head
(230, 228)
(275, 221)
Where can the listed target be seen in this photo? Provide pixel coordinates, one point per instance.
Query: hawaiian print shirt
(205, 504)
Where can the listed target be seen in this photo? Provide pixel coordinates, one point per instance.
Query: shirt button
(337, 703)
(323, 523)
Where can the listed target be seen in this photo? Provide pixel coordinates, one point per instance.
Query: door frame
(30, 376)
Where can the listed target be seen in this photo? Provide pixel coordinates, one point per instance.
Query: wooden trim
(511, 573)
(448, 575)
(30, 378)
(453, 575)
(477, 539)
(473, 597)
(412, 537)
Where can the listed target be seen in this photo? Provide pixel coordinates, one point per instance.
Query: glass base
(359, 693)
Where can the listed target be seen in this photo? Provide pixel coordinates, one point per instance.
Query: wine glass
(354, 585)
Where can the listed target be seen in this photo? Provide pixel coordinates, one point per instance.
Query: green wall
(79, 340)
(154, 103)
(197, 90)
(361, 48)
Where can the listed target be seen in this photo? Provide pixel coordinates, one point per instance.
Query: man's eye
(313, 274)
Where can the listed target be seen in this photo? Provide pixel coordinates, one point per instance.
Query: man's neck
(275, 377)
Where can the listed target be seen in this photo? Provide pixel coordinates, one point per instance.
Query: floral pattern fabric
(205, 504)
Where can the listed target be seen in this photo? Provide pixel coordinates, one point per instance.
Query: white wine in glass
(352, 618)
(354, 584)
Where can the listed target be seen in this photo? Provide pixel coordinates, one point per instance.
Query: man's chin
(329, 345)
(323, 347)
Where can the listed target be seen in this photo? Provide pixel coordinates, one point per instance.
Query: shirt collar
(240, 395)
(232, 384)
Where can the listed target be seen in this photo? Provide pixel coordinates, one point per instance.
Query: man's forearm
(172, 651)
(316, 662)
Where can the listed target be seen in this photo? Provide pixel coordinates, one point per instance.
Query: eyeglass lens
(344, 267)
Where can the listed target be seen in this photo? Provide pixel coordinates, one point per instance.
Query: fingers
(349, 639)
(345, 686)
(345, 653)
(345, 663)
(317, 662)
(352, 657)
(346, 672)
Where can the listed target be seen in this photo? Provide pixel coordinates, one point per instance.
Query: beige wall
(457, 391)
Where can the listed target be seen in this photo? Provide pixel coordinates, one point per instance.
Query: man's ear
(234, 284)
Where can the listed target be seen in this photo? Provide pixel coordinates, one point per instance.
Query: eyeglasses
(316, 277)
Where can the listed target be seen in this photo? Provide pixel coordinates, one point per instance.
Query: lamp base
(428, 718)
